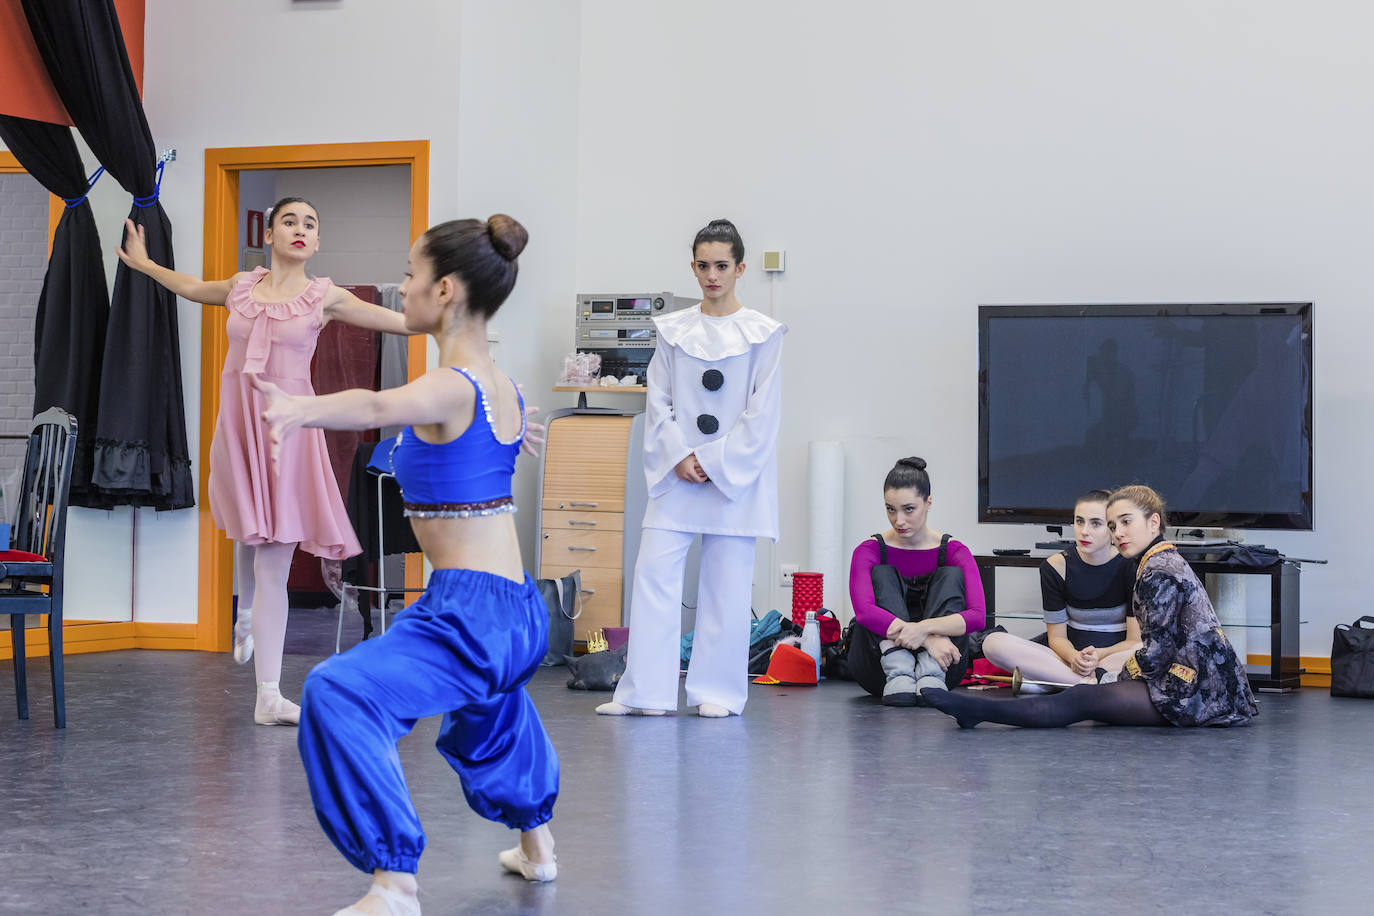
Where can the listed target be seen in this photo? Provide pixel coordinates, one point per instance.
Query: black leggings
(1119, 703)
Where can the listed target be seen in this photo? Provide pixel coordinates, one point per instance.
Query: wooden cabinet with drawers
(590, 509)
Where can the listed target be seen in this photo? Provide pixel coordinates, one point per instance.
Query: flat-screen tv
(1210, 404)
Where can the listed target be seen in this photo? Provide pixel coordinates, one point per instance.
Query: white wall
(364, 220)
(915, 159)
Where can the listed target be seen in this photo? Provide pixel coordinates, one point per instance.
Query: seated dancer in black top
(1185, 672)
(1086, 592)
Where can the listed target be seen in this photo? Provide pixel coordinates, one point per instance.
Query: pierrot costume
(714, 389)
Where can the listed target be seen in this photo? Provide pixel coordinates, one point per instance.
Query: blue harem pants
(465, 649)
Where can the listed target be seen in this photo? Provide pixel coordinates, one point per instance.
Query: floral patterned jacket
(1193, 674)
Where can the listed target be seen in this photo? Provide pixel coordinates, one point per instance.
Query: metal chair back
(41, 525)
(33, 587)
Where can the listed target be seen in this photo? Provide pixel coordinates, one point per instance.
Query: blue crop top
(463, 478)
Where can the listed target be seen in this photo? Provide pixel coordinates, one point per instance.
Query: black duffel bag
(1352, 659)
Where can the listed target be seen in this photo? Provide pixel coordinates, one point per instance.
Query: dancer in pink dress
(275, 319)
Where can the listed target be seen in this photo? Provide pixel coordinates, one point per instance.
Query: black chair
(34, 560)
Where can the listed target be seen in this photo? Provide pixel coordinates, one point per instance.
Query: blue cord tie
(157, 188)
(90, 183)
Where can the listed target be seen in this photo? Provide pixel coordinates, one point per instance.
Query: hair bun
(916, 463)
(508, 237)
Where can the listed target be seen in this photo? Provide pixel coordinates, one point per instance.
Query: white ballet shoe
(516, 862)
(620, 709)
(243, 644)
(397, 903)
(712, 711)
(274, 709)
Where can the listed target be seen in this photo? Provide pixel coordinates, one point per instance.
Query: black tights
(1119, 703)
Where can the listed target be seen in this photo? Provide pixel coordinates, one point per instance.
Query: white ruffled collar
(710, 338)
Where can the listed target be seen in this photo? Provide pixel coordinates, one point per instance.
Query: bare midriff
(486, 544)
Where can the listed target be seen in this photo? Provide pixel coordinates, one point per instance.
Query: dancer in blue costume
(469, 645)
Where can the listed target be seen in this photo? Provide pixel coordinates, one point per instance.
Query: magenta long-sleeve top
(912, 563)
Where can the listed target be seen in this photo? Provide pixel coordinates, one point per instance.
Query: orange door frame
(222, 167)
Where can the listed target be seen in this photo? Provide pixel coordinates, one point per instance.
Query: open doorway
(365, 238)
(235, 177)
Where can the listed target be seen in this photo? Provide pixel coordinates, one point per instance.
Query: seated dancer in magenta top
(919, 649)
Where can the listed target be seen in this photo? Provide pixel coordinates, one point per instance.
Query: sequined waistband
(502, 506)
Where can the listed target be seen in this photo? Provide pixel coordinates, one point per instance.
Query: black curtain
(69, 328)
(141, 456)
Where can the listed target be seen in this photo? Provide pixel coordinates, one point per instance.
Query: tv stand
(1284, 671)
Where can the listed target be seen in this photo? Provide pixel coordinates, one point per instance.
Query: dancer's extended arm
(135, 255)
(341, 305)
(433, 398)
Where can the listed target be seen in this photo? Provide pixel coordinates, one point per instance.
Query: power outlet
(785, 572)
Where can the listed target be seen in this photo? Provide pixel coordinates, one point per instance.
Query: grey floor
(161, 796)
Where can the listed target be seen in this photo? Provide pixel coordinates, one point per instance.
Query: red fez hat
(790, 666)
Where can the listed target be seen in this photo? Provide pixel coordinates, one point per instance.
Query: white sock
(244, 624)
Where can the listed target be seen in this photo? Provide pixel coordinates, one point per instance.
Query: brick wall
(23, 260)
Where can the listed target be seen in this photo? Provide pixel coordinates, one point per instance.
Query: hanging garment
(394, 367)
(141, 456)
(69, 327)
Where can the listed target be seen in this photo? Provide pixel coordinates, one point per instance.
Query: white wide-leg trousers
(719, 671)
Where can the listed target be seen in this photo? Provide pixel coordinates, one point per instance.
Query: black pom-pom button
(707, 423)
(712, 379)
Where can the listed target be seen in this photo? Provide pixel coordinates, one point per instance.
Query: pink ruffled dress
(253, 502)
